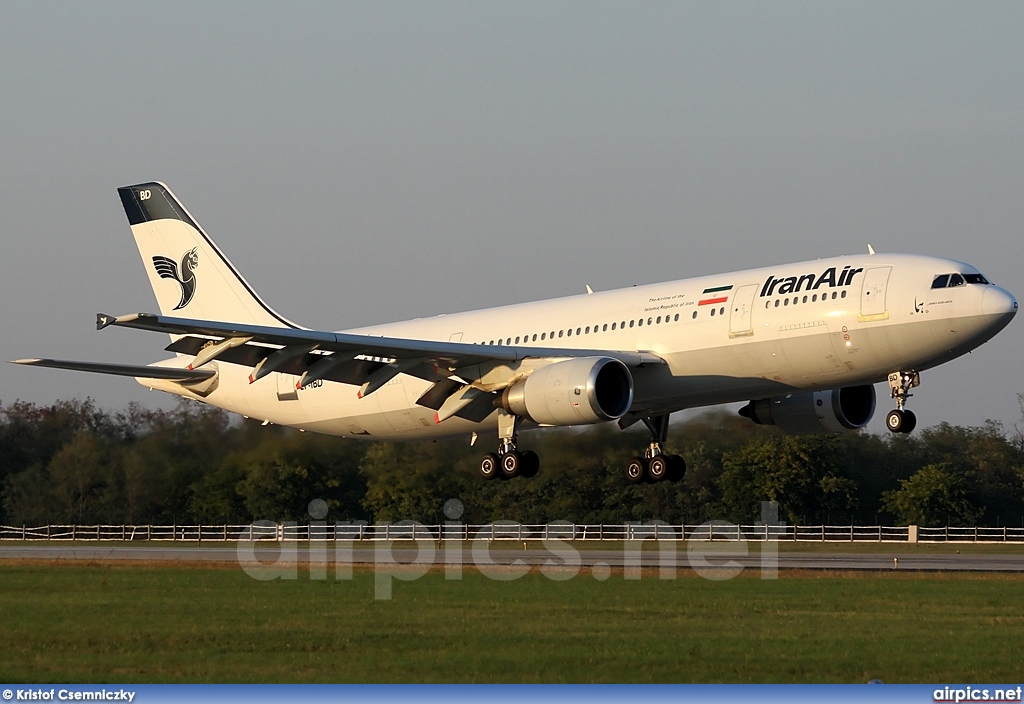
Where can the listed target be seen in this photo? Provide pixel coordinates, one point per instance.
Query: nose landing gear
(899, 420)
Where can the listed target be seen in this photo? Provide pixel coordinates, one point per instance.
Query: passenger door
(872, 295)
(742, 307)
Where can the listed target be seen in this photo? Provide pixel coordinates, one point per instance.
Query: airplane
(804, 343)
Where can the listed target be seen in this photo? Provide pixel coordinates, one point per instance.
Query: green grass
(169, 624)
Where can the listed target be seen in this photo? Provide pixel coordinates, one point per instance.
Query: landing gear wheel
(657, 468)
(511, 464)
(909, 422)
(531, 464)
(636, 470)
(895, 421)
(676, 468)
(489, 466)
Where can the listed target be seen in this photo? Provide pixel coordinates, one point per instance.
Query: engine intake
(808, 413)
(574, 392)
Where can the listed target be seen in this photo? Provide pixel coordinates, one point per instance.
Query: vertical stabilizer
(190, 276)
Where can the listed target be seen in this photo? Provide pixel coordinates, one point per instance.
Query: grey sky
(370, 162)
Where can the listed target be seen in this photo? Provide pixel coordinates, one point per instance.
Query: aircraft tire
(895, 420)
(531, 464)
(658, 468)
(489, 466)
(909, 422)
(676, 468)
(511, 464)
(636, 470)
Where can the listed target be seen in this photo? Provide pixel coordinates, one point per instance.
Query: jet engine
(807, 413)
(574, 392)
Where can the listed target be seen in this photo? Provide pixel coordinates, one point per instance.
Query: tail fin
(190, 276)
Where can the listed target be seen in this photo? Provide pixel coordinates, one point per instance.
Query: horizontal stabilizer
(137, 371)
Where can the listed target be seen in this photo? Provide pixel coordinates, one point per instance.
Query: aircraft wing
(464, 376)
(138, 371)
(453, 354)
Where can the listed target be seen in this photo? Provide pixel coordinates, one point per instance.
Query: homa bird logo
(167, 268)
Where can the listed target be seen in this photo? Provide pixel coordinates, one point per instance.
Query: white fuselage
(731, 337)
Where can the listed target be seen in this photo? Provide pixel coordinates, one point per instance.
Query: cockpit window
(951, 280)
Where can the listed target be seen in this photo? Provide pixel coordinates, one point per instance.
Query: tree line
(71, 462)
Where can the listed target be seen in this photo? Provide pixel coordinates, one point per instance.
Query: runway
(681, 556)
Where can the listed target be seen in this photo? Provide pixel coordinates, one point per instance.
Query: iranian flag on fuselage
(711, 296)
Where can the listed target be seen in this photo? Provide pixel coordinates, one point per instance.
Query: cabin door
(872, 295)
(742, 307)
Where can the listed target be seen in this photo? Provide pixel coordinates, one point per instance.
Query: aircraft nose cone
(997, 301)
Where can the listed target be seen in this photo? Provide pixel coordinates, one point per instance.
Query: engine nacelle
(573, 392)
(831, 411)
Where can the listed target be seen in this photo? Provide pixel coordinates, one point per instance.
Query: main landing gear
(900, 420)
(655, 465)
(509, 462)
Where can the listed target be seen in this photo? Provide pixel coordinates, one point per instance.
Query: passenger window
(613, 326)
(543, 336)
(578, 330)
(677, 317)
(956, 280)
(940, 281)
(712, 312)
(694, 315)
(843, 294)
(560, 333)
(631, 323)
(640, 323)
(604, 328)
(534, 337)
(569, 333)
